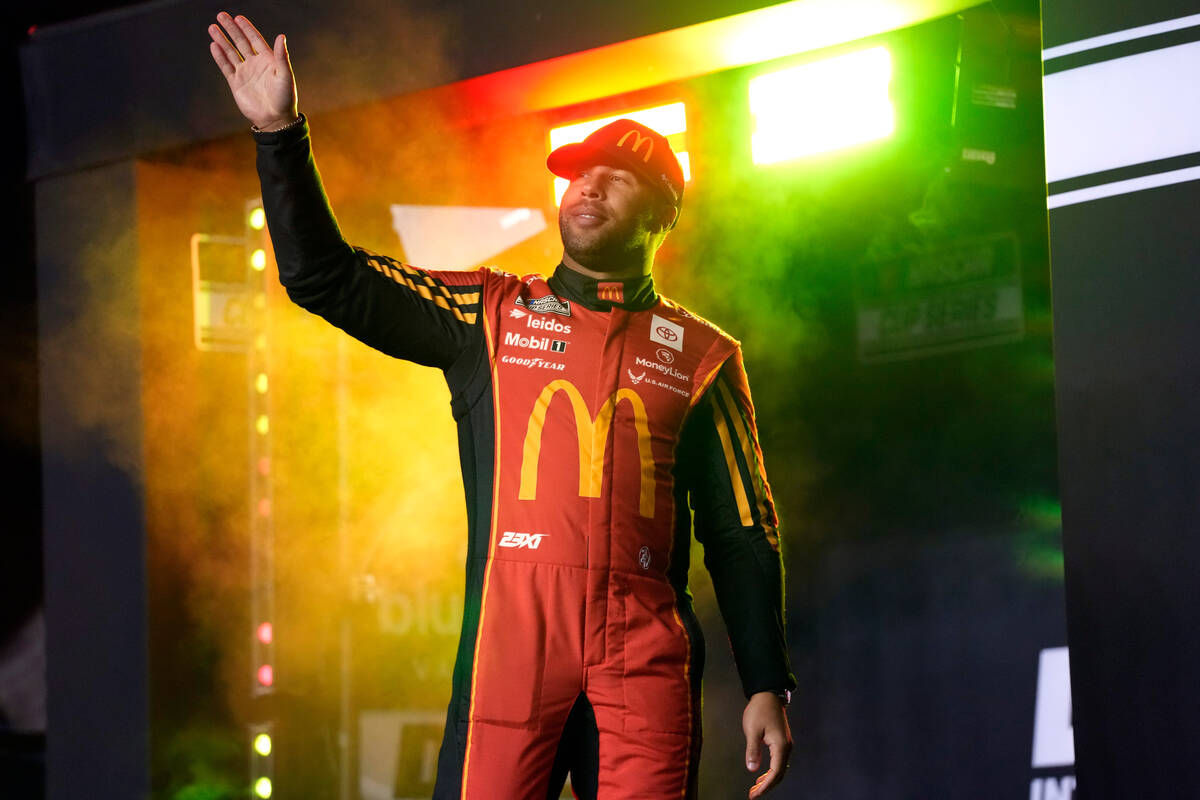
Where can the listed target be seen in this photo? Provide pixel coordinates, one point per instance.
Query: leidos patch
(663, 331)
(550, 325)
(546, 305)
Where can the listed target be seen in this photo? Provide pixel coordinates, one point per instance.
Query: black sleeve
(428, 317)
(734, 518)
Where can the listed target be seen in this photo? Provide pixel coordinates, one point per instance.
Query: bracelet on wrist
(299, 118)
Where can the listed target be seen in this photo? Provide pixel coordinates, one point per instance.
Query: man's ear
(668, 215)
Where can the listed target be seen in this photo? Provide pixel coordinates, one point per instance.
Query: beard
(611, 247)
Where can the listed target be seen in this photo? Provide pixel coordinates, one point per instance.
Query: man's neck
(616, 273)
(607, 291)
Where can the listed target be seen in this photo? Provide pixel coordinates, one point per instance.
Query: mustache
(586, 207)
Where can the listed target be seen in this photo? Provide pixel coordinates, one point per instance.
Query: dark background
(920, 495)
(924, 537)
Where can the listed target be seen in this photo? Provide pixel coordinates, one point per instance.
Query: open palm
(259, 75)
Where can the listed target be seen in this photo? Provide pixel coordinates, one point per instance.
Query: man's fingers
(282, 57)
(773, 776)
(780, 751)
(222, 41)
(257, 42)
(765, 783)
(753, 751)
(235, 33)
(780, 742)
(228, 68)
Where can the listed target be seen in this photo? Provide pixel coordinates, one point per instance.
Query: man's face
(608, 216)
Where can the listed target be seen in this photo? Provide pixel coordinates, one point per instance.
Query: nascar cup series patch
(546, 305)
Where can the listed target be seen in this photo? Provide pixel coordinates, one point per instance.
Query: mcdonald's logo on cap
(628, 144)
(638, 141)
(593, 440)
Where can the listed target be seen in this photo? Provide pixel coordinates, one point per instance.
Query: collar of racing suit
(631, 294)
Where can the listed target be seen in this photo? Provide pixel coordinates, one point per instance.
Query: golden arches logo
(613, 291)
(593, 438)
(638, 141)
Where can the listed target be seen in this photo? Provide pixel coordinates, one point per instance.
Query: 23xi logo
(519, 539)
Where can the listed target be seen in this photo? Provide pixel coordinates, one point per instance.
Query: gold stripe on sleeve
(735, 476)
(750, 453)
(405, 275)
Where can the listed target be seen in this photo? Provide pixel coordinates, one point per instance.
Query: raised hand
(259, 75)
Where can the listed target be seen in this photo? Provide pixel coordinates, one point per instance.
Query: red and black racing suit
(590, 416)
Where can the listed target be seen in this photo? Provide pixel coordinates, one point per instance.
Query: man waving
(599, 425)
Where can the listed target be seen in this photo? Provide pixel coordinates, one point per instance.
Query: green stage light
(262, 788)
(822, 106)
(262, 744)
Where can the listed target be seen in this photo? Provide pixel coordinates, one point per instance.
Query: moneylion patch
(546, 305)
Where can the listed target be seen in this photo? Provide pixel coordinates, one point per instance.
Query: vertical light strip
(260, 490)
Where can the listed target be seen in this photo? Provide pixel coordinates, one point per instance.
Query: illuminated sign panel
(669, 120)
(822, 106)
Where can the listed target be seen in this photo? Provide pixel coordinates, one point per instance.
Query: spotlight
(822, 106)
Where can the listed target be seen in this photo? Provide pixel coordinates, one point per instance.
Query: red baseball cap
(626, 144)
